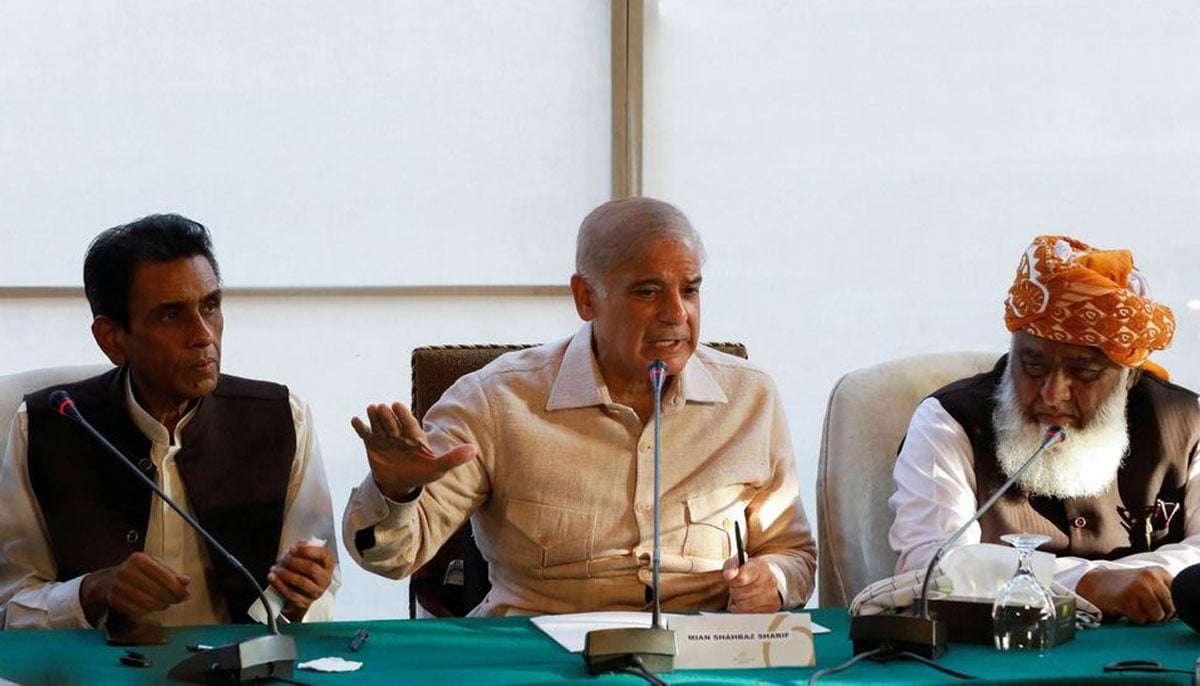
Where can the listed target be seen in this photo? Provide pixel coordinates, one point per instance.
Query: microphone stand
(649, 650)
(919, 633)
(236, 663)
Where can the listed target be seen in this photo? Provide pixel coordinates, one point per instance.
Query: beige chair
(865, 422)
(14, 387)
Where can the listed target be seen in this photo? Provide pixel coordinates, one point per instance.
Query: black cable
(885, 653)
(904, 654)
(637, 668)
(845, 665)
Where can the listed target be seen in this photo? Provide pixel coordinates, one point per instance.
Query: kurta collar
(579, 383)
(149, 426)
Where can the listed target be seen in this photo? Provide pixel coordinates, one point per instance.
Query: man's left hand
(752, 586)
(302, 576)
(1142, 594)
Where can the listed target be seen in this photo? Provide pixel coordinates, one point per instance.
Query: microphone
(649, 650)
(1185, 595)
(919, 633)
(242, 662)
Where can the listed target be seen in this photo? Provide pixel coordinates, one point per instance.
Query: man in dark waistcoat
(1120, 497)
(82, 541)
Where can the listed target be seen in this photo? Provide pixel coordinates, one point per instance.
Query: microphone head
(658, 372)
(60, 400)
(1185, 594)
(1055, 434)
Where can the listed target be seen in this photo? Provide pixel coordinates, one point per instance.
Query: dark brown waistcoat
(1133, 515)
(235, 464)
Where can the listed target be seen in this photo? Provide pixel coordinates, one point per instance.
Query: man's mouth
(1053, 419)
(667, 344)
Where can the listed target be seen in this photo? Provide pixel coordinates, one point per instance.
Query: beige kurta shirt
(561, 495)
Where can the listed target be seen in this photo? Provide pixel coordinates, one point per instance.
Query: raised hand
(400, 458)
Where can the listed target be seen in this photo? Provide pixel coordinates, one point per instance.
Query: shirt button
(644, 447)
(132, 536)
(644, 575)
(1079, 522)
(145, 464)
(645, 507)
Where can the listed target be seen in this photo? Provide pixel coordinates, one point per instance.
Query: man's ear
(110, 336)
(584, 297)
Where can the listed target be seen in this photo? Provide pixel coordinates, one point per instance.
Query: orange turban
(1067, 291)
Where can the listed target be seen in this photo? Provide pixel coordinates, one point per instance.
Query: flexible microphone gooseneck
(640, 650)
(246, 661)
(1054, 434)
(918, 633)
(658, 374)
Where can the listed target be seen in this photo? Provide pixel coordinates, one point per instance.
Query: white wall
(301, 118)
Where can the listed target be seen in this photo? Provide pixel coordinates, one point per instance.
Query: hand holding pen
(751, 583)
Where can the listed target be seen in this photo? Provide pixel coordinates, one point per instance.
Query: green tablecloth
(512, 651)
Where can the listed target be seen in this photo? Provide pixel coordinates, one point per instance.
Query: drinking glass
(1023, 614)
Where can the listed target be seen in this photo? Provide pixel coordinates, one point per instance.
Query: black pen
(737, 533)
(360, 637)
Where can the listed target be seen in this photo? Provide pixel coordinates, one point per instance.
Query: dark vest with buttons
(1132, 516)
(235, 464)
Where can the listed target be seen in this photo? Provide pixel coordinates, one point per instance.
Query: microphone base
(614, 650)
(899, 633)
(240, 663)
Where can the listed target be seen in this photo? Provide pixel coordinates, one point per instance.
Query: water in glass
(1023, 614)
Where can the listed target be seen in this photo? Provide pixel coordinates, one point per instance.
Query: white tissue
(981, 570)
(330, 664)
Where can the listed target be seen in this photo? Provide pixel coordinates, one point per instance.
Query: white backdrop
(340, 143)
(865, 175)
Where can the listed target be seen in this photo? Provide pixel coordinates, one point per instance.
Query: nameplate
(743, 641)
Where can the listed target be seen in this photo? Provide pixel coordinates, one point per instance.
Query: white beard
(1085, 464)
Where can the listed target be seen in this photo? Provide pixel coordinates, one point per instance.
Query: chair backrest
(14, 387)
(455, 580)
(868, 414)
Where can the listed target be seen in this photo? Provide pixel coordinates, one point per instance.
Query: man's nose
(203, 331)
(1056, 388)
(673, 309)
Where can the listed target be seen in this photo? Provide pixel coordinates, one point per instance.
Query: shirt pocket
(555, 536)
(710, 518)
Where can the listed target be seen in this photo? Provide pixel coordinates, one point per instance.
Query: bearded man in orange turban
(1120, 497)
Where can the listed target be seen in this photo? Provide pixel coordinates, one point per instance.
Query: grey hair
(620, 230)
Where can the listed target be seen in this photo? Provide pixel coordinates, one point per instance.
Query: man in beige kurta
(550, 452)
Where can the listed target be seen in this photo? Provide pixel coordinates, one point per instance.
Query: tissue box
(969, 620)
